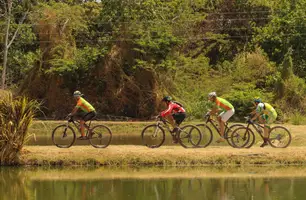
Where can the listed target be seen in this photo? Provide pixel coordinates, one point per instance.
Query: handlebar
(249, 120)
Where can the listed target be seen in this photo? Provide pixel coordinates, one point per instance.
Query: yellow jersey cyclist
(83, 111)
(224, 109)
(266, 115)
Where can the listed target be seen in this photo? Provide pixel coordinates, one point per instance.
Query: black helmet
(167, 98)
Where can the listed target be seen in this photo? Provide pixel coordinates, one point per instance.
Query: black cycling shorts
(84, 116)
(179, 117)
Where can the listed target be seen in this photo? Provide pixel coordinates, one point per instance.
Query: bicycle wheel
(100, 136)
(229, 132)
(189, 136)
(279, 137)
(207, 135)
(63, 136)
(153, 136)
(241, 137)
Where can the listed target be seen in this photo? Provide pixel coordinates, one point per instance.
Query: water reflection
(152, 183)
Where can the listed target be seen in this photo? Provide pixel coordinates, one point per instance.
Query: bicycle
(63, 136)
(279, 136)
(208, 134)
(153, 136)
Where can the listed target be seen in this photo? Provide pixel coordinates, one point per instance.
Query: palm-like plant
(16, 115)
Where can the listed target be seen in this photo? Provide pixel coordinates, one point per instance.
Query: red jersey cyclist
(83, 111)
(174, 113)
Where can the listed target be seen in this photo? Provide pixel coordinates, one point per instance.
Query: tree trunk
(6, 41)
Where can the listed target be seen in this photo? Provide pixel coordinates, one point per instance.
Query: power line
(159, 22)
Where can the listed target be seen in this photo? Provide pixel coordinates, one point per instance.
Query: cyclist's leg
(179, 118)
(90, 116)
(80, 116)
(267, 122)
(223, 118)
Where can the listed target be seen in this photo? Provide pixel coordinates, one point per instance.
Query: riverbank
(134, 155)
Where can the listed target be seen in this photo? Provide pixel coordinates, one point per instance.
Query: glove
(250, 121)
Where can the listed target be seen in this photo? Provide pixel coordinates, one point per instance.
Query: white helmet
(212, 94)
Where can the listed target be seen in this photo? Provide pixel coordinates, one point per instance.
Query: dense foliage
(126, 54)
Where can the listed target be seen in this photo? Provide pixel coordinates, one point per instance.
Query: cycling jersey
(266, 109)
(84, 105)
(172, 108)
(223, 104)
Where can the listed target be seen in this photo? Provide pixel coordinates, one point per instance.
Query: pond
(153, 183)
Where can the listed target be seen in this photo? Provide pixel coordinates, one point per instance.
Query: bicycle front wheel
(153, 136)
(63, 136)
(279, 137)
(190, 136)
(100, 136)
(241, 137)
(229, 132)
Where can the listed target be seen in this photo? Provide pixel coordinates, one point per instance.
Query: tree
(8, 7)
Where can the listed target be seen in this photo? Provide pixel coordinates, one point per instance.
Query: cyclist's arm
(167, 112)
(256, 115)
(75, 109)
(214, 111)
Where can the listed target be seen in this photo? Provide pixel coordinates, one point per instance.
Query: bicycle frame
(163, 123)
(255, 125)
(213, 123)
(76, 124)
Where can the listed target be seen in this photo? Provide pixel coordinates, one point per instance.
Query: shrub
(16, 115)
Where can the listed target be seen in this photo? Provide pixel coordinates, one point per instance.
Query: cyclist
(266, 115)
(83, 111)
(227, 111)
(174, 113)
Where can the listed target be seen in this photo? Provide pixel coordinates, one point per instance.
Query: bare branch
(16, 32)
(64, 26)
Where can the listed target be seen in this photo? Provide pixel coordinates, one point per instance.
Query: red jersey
(172, 108)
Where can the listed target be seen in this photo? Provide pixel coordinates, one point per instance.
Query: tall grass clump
(297, 118)
(16, 115)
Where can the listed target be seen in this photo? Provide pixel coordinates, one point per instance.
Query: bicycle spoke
(153, 136)
(190, 136)
(63, 136)
(100, 136)
(279, 137)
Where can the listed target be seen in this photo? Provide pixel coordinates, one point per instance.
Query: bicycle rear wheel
(229, 133)
(279, 137)
(100, 136)
(241, 137)
(207, 135)
(153, 136)
(63, 136)
(189, 136)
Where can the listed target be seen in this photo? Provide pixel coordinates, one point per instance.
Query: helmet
(77, 94)
(257, 100)
(167, 98)
(212, 94)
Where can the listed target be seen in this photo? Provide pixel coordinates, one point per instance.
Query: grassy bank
(77, 173)
(126, 155)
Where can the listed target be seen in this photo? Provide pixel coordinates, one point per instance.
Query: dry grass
(129, 155)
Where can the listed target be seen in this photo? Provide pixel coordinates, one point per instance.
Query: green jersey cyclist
(83, 111)
(266, 115)
(224, 109)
